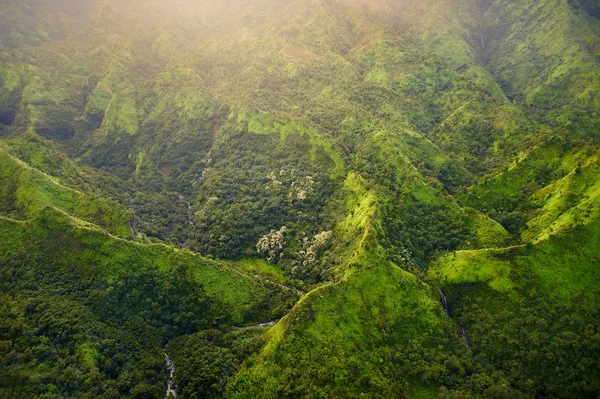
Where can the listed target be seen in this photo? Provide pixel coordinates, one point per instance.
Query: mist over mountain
(300, 199)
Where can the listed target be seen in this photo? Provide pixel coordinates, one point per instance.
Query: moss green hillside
(540, 298)
(29, 190)
(357, 328)
(300, 198)
(101, 307)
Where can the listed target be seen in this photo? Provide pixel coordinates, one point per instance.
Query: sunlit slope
(368, 60)
(366, 144)
(558, 228)
(347, 69)
(524, 305)
(35, 175)
(545, 56)
(106, 306)
(92, 247)
(540, 297)
(348, 338)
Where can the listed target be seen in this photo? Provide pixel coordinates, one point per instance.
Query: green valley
(300, 199)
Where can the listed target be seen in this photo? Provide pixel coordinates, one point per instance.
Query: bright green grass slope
(85, 244)
(566, 265)
(532, 310)
(350, 337)
(343, 339)
(462, 127)
(545, 55)
(552, 188)
(27, 190)
(85, 314)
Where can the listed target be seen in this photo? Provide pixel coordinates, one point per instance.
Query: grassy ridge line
(351, 326)
(552, 180)
(583, 213)
(337, 337)
(42, 155)
(525, 305)
(556, 218)
(112, 254)
(84, 225)
(483, 265)
(572, 200)
(544, 54)
(113, 290)
(565, 266)
(34, 190)
(359, 203)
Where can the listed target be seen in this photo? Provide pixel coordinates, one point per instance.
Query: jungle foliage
(409, 189)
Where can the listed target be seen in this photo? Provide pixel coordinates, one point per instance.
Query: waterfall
(444, 303)
(189, 214)
(170, 384)
(460, 330)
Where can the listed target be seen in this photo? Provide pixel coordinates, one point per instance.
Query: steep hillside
(86, 314)
(421, 177)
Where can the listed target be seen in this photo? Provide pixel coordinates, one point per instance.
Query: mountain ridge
(370, 153)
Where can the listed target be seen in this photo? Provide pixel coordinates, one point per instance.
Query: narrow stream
(170, 384)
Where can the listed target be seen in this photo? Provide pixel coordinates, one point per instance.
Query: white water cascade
(170, 384)
(462, 331)
(444, 303)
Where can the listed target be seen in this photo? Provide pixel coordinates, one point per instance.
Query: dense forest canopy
(300, 198)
